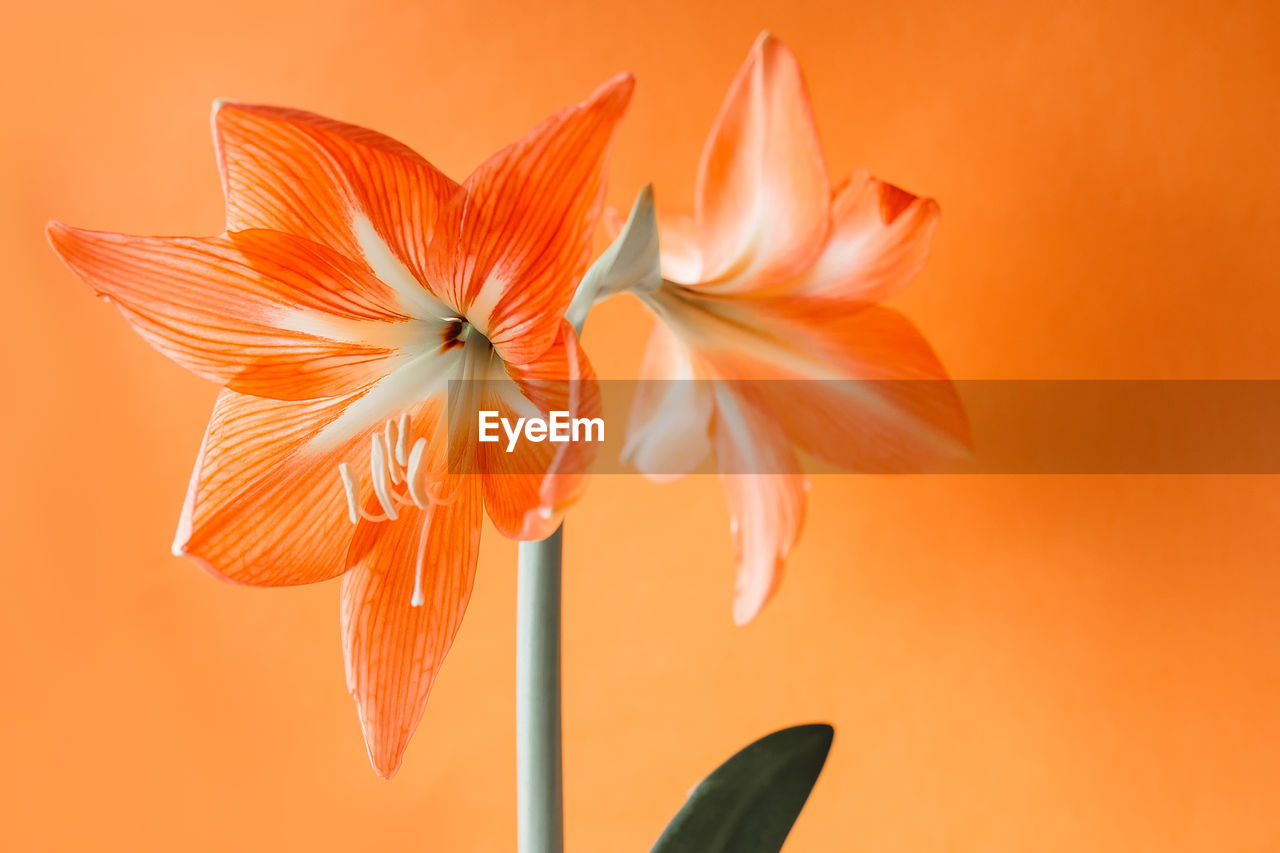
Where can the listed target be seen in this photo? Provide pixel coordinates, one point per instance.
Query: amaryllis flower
(353, 282)
(775, 276)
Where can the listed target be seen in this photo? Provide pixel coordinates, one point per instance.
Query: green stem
(540, 803)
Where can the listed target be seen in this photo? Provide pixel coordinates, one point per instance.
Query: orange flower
(776, 276)
(353, 282)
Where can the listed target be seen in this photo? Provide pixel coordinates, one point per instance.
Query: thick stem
(540, 807)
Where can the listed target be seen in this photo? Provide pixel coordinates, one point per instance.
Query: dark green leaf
(749, 804)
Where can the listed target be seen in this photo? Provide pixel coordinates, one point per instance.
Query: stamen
(353, 493)
(402, 443)
(415, 462)
(418, 599)
(378, 465)
(390, 438)
(391, 462)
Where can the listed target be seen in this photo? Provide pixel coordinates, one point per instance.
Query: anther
(391, 438)
(411, 477)
(378, 465)
(353, 493)
(402, 441)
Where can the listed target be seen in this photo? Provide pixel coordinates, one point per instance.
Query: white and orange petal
(880, 236)
(763, 199)
(766, 494)
(669, 429)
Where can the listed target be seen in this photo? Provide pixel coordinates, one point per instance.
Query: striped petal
(762, 198)
(394, 649)
(260, 509)
(358, 192)
(513, 244)
(260, 312)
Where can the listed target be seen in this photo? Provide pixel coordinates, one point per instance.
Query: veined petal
(260, 312)
(879, 240)
(762, 198)
(766, 510)
(669, 430)
(260, 511)
(267, 504)
(361, 193)
(513, 244)
(394, 649)
(526, 492)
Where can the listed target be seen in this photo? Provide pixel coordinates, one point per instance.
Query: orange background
(1050, 664)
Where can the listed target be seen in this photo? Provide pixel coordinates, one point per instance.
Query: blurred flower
(775, 277)
(353, 282)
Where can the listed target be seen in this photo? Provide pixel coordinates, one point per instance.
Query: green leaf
(750, 803)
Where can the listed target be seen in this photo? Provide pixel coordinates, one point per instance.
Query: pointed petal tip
(56, 233)
(68, 242)
(767, 42)
(616, 91)
(385, 759)
(747, 605)
(219, 104)
(385, 765)
(66, 238)
(386, 772)
(179, 549)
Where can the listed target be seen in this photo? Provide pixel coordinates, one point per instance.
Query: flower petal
(762, 198)
(260, 510)
(261, 312)
(855, 385)
(512, 246)
(678, 241)
(879, 239)
(766, 510)
(356, 191)
(669, 430)
(394, 649)
(899, 414)
(526, 492)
